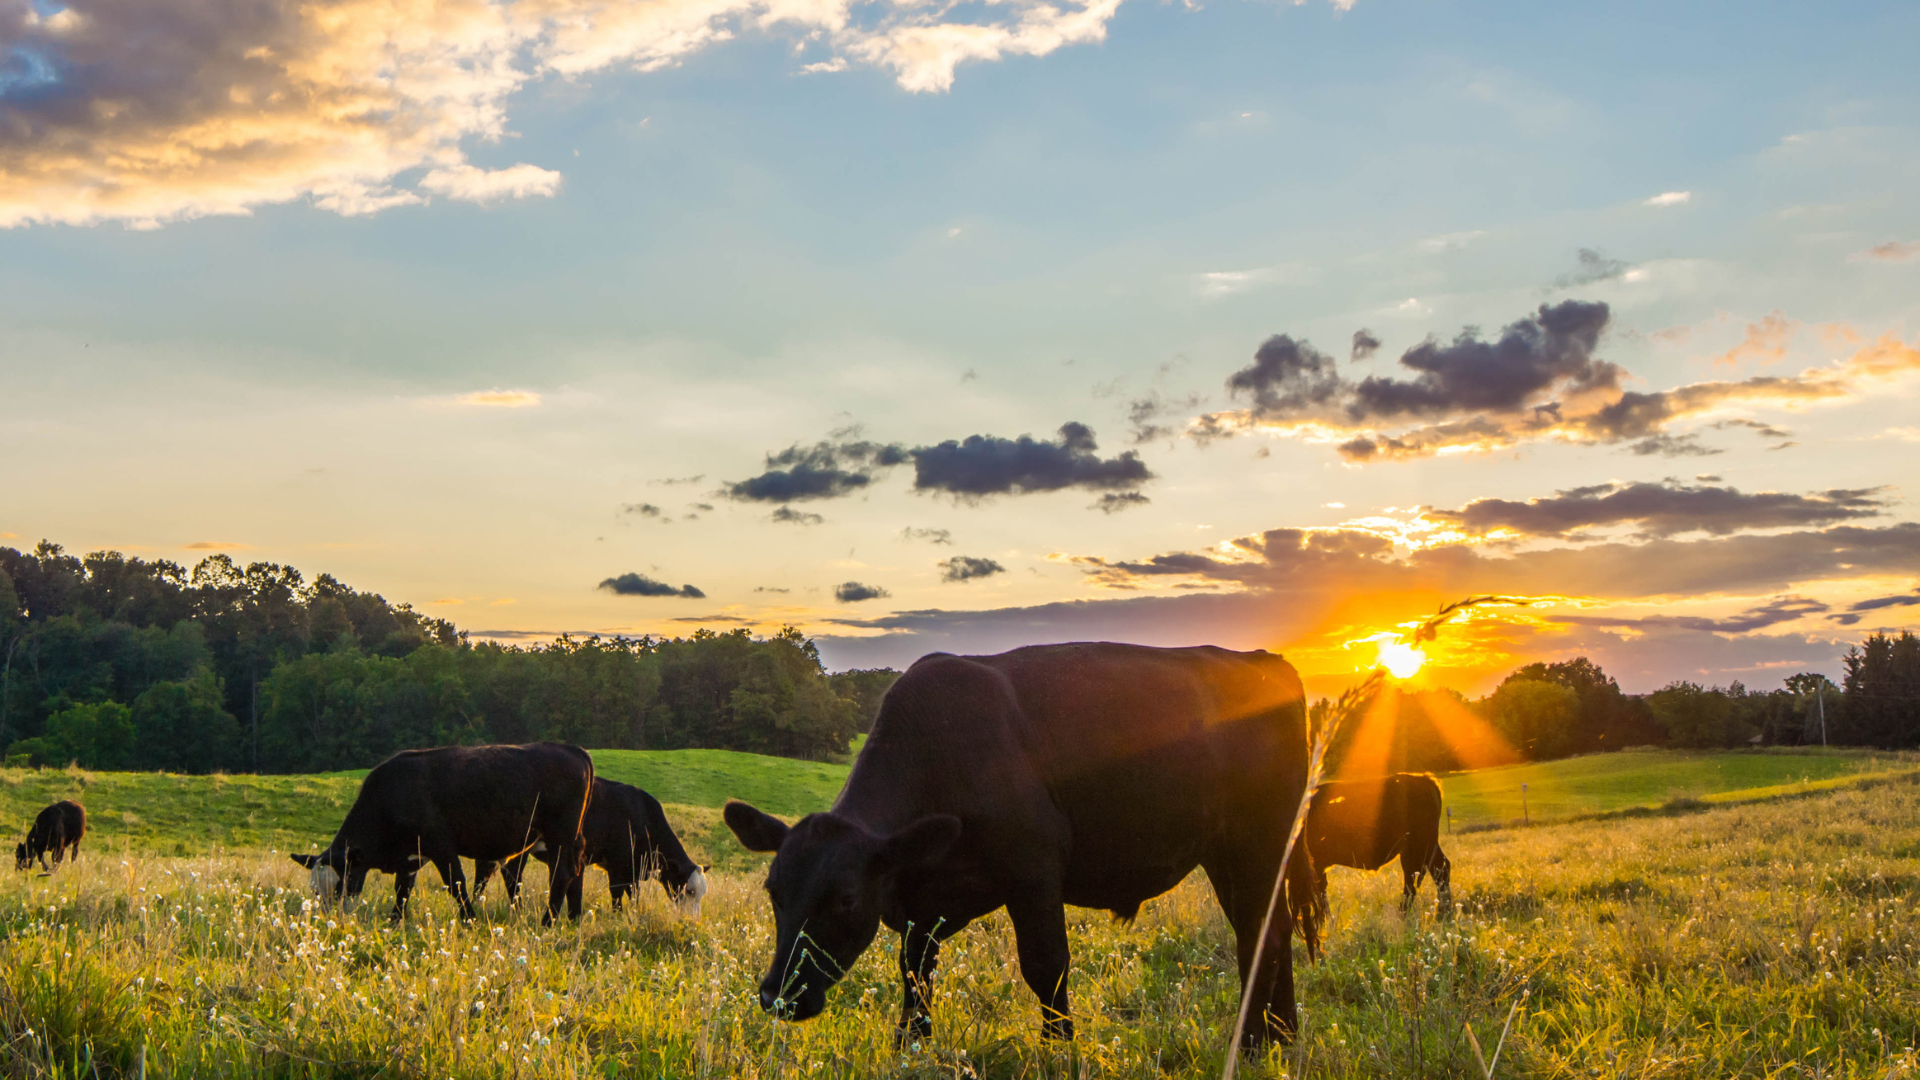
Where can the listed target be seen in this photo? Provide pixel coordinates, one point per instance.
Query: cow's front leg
(919, 952)
(456, 883)
(402, 888)
(1040, 936)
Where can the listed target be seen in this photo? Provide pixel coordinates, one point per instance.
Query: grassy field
(1608, 783)
(1763, 940)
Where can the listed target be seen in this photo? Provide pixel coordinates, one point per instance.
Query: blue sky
(676, 252)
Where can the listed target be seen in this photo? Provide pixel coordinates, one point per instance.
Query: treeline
(122, 663)
(1552, 710)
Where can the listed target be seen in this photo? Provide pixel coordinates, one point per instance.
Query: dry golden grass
(1766, 940)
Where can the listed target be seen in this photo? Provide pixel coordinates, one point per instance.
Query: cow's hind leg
(1442, 870)
(1245, 891)
(1412, 869)
(482, 873)
(1040, 936)
(919, 952)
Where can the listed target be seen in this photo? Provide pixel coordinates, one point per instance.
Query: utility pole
(1525, 816)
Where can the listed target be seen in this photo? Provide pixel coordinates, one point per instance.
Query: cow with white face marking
(430, 807)
(1096, 775)
(627, 835)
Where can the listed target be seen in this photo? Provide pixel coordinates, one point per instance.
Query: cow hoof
(1057, 1029)
(918, 1029)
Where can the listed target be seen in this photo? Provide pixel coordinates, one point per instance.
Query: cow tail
(1300, 898)
(580, 828)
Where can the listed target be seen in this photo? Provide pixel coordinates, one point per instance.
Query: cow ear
(756, 831)
(304, 860)
(922, 843)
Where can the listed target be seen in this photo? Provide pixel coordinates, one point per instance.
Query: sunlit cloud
(499, 399)
(1670, 198)
(215, 545)
(156, 112)
(1891, 251)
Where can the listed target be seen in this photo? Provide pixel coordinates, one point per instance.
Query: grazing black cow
(423, 807)
(58, 829)
(1091, 774)
(1365, 824)
(627, 835)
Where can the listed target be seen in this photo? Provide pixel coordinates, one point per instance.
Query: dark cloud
(1115, 501)
(983, 465)
(1664, 509)
(643, 509)
(1364, 346)
(790, 516)
(825, 470)
(1856, 612)
(1674, 446)
(734, 619)
(968, 568)
(670, 481)
(642, 585)
(1288, 377)
(852, 592)
(1765, 431)
(1552, 350)
(1594, 268)
(1781, 610)
(1144, 415)
(931, 536)
(771, 589)
(701, 506)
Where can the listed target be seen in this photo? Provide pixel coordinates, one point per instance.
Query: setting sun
(1401, 659)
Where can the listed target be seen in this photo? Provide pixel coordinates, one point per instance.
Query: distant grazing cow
(1096, 775)
(627, 835)
(423, 807)
(58, 829)
(1366, 823)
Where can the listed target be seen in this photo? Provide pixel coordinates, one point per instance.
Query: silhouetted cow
(1096, 775)
(423, 807)
(58, 829)
(627, 835)
(1366, 823)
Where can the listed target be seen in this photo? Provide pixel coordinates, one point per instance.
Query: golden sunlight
(1401, 659)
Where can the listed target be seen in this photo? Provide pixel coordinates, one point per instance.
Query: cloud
(499, 399)
(1217, 284)
(215, 545)
(788, 515)
(852, 592)
(1540, 380)
(673, 480)
(1670, 198)
(1782, 610)
(1594, 268)
(732, 619)
(1766, 342)
(1453, 241)
(642, 585)
(1115, 501)
(1674, 446)
(1364, 346)
(1891, 251)
(643, 509)
(1855, 612)
(1665, 509)
(771, 589)
(1144, 415)
(825, 470)
(931, 536)
(150, 111)
(983, 465)
(968, 568)
(469, 183)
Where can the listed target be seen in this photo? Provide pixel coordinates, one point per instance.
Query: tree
(1607, 719)
(1880, 695)
(97, 736)
(1538, 717)
(184, 727)
(1695, 717)
(865, 687)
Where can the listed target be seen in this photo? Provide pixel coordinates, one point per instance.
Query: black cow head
(830, 881)
(22, 860)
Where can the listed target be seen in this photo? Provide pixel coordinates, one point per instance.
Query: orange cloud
(1766, 342)
(499, 399)
(215, 545)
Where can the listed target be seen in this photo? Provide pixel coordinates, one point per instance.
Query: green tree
(185, 727)
(1695, 717)
(97, 736)
(1539, 718)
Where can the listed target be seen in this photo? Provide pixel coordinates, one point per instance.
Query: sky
(966, 326)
